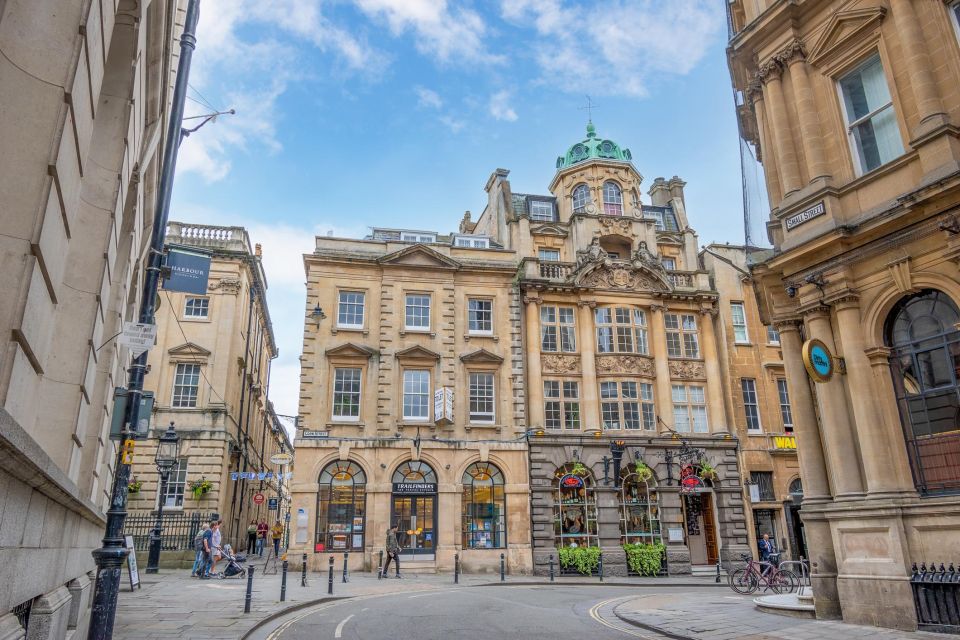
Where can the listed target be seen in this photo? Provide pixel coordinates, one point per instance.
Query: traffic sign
(258, 498)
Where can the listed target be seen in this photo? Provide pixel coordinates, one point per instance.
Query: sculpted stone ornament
(593, 253)
(227, 285)
(623, 226)
(643, 257)
(560, 363)
(687, 370)
(624, 363)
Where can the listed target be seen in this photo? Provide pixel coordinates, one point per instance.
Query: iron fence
(179, 529)
(936, 596)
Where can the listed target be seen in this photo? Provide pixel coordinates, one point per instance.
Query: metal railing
(799, 567)
(936, 596)
(179, 529)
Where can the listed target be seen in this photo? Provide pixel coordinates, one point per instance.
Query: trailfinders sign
(414, 488)
(818, 360)
(806, 215)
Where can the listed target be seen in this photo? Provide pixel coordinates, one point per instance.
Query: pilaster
(770, 74)
(795, 58)
(534, 374)
(658, 334)
(588, 366)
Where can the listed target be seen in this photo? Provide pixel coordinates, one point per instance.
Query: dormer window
(472, 243)
(542, 211)
(612, 199)
(425, 238)
(581, 198)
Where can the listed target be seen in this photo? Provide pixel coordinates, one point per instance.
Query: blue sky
(359, 113)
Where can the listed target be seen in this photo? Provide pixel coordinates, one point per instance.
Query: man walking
(766, 550)
(393, 552)
(198, 547)
(208, 549)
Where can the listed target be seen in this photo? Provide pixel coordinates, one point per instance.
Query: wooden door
(709, 528)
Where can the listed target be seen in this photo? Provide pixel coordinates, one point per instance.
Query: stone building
(623, 366)
(757, 397)
(411, 403)
(86, 88)
(854, 108)
(210, 372)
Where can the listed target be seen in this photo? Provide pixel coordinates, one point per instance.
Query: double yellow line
(594, 613)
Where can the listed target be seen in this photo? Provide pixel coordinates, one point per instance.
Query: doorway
(416, 519)
(700, 528)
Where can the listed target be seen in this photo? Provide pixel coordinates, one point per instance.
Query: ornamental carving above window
(560, 363)
(639, 365)
(686, 370)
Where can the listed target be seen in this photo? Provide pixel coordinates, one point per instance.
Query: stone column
(891, 425)
(534, 376)
(843, 459)
(590, 418)
(658, 338)
(716, 415)
(806, 105)
(767, 145)
(780, 124)
(913, 48)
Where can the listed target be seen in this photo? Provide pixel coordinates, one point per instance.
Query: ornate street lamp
(168, 453)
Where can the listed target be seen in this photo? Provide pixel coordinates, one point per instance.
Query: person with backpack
(198, 548)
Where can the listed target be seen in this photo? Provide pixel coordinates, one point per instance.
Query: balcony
(556, 270)
(208, 236)
(682, 279)
(560, 272)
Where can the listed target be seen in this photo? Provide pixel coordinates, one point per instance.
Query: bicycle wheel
(743, 582)
(784, 582)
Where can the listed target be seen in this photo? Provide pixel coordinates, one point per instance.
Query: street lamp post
(168, 453)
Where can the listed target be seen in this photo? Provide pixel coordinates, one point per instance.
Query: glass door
(416, 523)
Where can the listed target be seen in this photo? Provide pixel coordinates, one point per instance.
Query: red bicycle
(748, 579)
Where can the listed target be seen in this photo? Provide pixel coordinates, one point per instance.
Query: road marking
(596, 616)
(431, 593)
(339, 632)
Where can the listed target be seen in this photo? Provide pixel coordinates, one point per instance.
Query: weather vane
(589, 109)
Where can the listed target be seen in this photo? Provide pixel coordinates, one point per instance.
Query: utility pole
(110, 556)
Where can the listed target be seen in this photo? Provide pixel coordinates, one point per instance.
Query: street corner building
(86, 92)
(411, 404)
(210, 376)
(853, 108)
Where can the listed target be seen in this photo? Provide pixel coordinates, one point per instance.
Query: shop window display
(575, 507)
(484, 509)
(639, 510)
(341, 507)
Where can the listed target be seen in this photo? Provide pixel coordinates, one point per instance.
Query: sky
(359, 113)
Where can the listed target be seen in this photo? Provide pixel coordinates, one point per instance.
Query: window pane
(346, 393)
(786, 415)
(541, 211)
(350, 309)
(773, 336)
(481, 397)
(549, 255)
(691, 345)
(548, 341)
(553, 418)
(581, 197)
(631, 415)
(196, 307)
(416, 394)
(748, 387)
(480, 315)
(605, 339)
(673, 345)
(671, 321)
(608, 389)
(418, 312)
(611, 415)
(551, 388)
(681, 418)
(186, 385)
(602, 315)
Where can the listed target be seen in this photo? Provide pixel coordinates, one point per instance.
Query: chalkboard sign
(132, 563)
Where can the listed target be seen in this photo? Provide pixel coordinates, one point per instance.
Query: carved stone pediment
(621, 276)
(687, 370)
(350, 350)
(617, 225)
(549, 230)
(189, 351)
(417, 353)
(481, 356)
(560, 363)
(844, 30)
(419, 255)
(624, 363)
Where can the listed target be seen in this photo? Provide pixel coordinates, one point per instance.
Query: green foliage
(200, 487)
(584, 559)
(644, 559)
(644, 473)
(135, 486)
(707, 470)
(579, 469)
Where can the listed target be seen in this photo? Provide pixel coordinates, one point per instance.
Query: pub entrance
(413, 508)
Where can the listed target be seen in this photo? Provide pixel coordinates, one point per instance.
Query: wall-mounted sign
(443, 405)
(258, 498)
(273, 504)
(281, 458)
(570, 481)
(675, 534)
(784, 442)
(137, 337)
(818, 360)
(119, 415)
(806, 215)
(414, 488)
(314, 434)
(754, 492)
(188, 270)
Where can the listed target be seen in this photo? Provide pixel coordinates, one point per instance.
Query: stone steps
(787, 604)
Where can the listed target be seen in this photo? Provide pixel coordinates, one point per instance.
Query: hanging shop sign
(281, 458)
(806, 215)
(187, 270)
(414, 488)
(119, 415)
(443, 405)
(258, 498)
(690, 482)
(570, 481)
(817, 360)
(273, 504)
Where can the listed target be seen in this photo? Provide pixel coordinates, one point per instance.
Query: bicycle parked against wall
(767, 574)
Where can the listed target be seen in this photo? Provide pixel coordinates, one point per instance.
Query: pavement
(171, 604)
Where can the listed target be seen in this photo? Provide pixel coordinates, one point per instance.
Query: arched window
(484, 508)
(639, 508)
(414, 471)
(612, 199)
(581, 198)
(922, 330)
(796, 488)
(574, 507)
(341, 507)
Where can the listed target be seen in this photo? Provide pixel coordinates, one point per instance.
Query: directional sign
(137, 337)
(281, 458)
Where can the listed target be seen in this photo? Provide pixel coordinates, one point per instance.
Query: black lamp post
(168, 452)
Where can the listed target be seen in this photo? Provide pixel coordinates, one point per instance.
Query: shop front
(414, 509)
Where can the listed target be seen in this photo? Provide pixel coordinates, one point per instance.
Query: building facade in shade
(758, 398)
(855, 108)
(623, 366)
(411, 404)
(210, 375)
(86, 92)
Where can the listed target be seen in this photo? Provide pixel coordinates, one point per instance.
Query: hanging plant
(584, 559)
(707, 471)
(645, 559)
(134, 486)
(644, 473)
(200, 487)
(579, 469)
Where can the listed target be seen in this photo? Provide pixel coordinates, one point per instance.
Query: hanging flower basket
(200, 487)
(644, 473)
(707, 472)
(579, 469)
(135, 486)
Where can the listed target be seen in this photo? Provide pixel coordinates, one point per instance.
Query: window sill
(743, 344)
(468, 336)
(422, 332)
(207, 319)
(342, 422)
(362, 330)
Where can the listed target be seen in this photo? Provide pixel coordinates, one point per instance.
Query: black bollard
(283, 583)
(718, 571)
(551, 567)
(502, 569)
(345, 568)
(456, 568)
(249, 596)
(380, 566)
(303, 574)
(601, 566)
(330, 578)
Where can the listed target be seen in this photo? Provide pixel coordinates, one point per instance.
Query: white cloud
(452, 123)
(616, 51)
(500, 106)
(428, 98)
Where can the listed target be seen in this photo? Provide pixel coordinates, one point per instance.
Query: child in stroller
(233, 568)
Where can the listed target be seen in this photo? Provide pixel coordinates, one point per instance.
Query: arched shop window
(639, 509)
(922, 331)
(341, 507)
(414, 471)
(574, 507)
(484, 508)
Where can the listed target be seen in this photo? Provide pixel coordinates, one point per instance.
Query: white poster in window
(754, 492)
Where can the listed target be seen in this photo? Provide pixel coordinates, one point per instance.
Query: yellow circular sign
(818, 360)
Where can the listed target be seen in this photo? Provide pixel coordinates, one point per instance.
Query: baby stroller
(233, 568)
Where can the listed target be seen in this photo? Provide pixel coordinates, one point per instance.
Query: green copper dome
(593, 147)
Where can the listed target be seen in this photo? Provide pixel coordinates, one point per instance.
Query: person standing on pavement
(208, 549)
(766, 550)
(262, 531)
(393, 552)
(276, 532)
(252, 537)
(215, 550)
(198, 547)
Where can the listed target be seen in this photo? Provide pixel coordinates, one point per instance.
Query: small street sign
(307, 433)
(138, 337)
(281, 458)
(258, 498)
(273, 504)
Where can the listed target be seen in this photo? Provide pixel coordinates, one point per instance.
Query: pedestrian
(252, 537)
(208, 549)
(276, 532)
(262, 530)
(766, 550)
(393, 552)
(216, 550)
(198, 548)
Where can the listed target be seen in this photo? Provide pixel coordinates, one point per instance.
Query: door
(416, 523)
(693, 527)
(709, 529)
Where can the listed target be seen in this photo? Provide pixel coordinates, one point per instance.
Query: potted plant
(707, 471)
(644, 559)
(584, 559)
(579, 469)
(644, 473)
(200, 487)
(134, 486)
